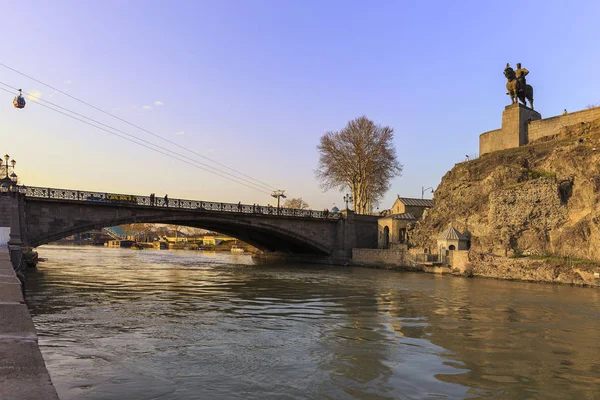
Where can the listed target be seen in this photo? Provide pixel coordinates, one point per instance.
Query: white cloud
(180, 133)
(159, 103)
(147, 108)
(34, 95)
(68, 82)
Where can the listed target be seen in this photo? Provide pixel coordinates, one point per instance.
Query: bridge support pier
(355, 231)
(15, 243)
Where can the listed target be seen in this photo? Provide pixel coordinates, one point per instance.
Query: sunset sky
(254, 84)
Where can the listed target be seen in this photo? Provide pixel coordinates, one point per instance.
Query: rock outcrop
(538, 199)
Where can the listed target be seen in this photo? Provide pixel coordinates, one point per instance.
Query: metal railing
(198, 205)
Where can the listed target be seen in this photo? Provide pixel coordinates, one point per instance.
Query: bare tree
(360, 157)
(296, 203)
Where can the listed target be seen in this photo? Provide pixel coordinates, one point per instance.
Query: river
(126, 324)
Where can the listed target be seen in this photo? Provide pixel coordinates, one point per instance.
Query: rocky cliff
(539, 199)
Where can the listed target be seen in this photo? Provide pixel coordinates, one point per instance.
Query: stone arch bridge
(42, 215)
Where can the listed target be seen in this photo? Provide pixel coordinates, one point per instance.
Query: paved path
(23, 374)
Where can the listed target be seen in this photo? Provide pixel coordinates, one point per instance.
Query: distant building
(393, 226)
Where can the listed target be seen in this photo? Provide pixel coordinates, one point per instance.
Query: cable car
(19, 101)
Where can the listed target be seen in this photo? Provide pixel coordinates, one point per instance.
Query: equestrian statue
(517, 85)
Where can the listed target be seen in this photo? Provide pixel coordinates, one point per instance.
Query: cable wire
(134, 125)
(135, 137)
(144, 145)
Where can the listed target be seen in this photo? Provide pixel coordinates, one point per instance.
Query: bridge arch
(47, 220)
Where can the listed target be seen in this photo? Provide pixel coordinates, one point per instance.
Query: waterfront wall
(23, 374)
(379, 257)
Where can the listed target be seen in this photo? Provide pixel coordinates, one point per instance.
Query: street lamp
(423, 190)
(8, 179)
(347, 199)
(278, 194)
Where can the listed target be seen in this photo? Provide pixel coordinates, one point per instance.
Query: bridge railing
(199, 205)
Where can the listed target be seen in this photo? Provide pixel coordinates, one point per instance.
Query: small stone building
(393, 227)
(452, 239)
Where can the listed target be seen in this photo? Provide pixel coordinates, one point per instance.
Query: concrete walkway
(23, 374)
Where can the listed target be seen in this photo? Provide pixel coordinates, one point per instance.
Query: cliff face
(543, 198)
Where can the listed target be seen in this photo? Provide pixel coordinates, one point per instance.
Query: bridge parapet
(119, 198)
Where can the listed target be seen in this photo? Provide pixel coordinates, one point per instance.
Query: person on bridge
(151, 199)
(166, 200)
(240, 206)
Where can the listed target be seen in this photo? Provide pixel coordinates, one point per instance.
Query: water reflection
(185, 325)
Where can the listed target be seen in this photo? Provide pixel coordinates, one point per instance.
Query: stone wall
(378, 257)
(459, 259)
(5, 205)
(551, 126)
(514, 131)
(492, 141)
(522, 125)
(366, 230)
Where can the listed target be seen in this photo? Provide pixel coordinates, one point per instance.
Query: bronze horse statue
(515, 91)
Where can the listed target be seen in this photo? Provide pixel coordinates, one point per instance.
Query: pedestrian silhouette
(151, 199)
(166, 200)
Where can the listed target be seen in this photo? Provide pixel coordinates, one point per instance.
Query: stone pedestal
(515, 120)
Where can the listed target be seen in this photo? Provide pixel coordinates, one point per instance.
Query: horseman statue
(517, 85)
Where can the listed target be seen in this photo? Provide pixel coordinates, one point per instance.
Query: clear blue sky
(254, 84)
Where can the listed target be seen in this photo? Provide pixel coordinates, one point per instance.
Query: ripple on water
(186, 325)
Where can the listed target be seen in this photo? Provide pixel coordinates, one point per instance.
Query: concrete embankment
(23, 374)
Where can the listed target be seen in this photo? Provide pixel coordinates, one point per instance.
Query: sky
(253, 85)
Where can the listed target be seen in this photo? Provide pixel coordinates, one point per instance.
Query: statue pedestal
(515, 119)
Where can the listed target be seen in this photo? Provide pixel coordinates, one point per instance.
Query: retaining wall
(551, 126)
(522, 125)
(378, 257)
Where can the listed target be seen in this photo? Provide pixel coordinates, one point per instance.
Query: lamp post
(347, 199)
(8, 179)
(423, 190)
(278, 194)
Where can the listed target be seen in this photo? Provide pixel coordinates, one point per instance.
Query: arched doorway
(386, 237)
(452, 247)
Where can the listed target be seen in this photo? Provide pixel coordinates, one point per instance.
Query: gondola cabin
(19, 101)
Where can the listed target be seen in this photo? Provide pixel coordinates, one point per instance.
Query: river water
(125, 324)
